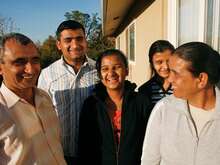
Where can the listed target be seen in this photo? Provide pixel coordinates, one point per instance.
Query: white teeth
(112, 79)
(27, 77)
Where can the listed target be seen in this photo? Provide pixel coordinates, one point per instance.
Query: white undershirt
(200, 116)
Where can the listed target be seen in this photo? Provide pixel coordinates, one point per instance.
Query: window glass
(132, 43)
(209, 24)
(188, 21)
(118, 43)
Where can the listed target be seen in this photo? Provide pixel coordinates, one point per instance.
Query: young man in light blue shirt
(69, 81)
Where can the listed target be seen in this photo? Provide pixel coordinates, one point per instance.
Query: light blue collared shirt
(68, 91)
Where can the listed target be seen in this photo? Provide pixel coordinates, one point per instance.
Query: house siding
(150, 26)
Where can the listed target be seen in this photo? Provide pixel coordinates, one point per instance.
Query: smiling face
(113, 72)
(160, 63)
(184, 84)
(20, 67)
(73, 45)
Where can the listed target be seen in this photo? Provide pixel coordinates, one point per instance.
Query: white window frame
(216, 17)
(128, 42)
(118, 42)
(173, 22)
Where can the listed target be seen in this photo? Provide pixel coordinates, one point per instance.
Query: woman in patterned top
(158, 86)
(113, 119)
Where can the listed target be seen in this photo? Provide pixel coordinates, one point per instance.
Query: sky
(39, 18)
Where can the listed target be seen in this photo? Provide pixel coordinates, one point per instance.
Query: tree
(48, 51)
(7, 25)
(92, 23)
(96, 42)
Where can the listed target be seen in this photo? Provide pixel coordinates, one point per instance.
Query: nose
(74, 43)
(111, 72)
(28, 68)
(165, 65)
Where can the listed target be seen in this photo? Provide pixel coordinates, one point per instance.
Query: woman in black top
(113, 119)
(158, 86)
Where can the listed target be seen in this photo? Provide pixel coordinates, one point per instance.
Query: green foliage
(48, 51)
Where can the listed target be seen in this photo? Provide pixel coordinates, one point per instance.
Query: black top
(154, 89)
(96, 139)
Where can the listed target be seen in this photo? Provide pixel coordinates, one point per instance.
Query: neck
(76, 66)
(166, 84)
(27, 95)
(76, 63)
(205, 99)
(116, 97)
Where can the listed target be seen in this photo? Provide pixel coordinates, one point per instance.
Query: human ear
(203, 80)
(58, 45)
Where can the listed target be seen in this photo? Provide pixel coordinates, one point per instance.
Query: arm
(6, 135)
(89, 133)
(151, 147)
(43, 81)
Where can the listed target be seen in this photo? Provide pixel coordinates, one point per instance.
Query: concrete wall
(150, 26)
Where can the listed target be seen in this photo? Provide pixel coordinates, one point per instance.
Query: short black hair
(69, 24)
(158, 46)
(203, 58)
(110, 52)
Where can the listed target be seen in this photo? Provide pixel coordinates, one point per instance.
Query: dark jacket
(154, 90)
(96, 140)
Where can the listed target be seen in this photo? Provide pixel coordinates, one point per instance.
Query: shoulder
(52, 67)
(91, 69)
(90, 103)
(91, 62)
(42, 94)
(53, 71)
(91, 99)
(170, 104)
(137, 99)
(147, 85)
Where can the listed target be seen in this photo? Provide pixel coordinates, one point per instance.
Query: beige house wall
(150, 26)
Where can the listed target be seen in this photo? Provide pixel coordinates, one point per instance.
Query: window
(212, 33)
(188, 21)
(131, 42)
(209, 23)
(118, 43)
(194, 20)
(126, 40)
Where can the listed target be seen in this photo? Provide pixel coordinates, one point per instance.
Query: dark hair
(20, 38)
(158, 47)
(69, 24)
(203, 58)
(110, 52)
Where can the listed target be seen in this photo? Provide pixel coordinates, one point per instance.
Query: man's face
(73, 45)
(113, 72)
(184, 84)
(21, 66)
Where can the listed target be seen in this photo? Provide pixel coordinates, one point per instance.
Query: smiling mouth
(28, 77)
(112, 80)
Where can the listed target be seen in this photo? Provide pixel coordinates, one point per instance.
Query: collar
(182, 106)
(10, 97)
(88, 61)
